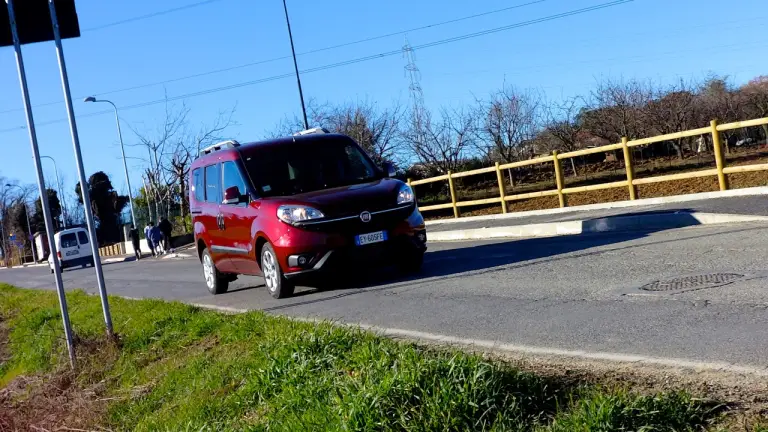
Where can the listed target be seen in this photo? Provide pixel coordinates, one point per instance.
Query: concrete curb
(762, 190)
(177, 255)
(115, 260)
(25, 266)
(649, 222)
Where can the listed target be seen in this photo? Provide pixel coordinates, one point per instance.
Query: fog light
(302, 260)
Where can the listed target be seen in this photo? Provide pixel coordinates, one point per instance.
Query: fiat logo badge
(365, 216)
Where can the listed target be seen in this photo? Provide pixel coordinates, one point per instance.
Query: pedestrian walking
(133, 234)
(156, 237)
(147, 231)
(166, 228)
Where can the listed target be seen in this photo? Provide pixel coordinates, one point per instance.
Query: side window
(198, 183)
(212, 184)
(232, 177)
(83, 237)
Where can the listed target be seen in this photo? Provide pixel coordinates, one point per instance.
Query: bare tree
(442, 143)
(563, 128)
(376, 129)
(719, 100)
(755, 95)
(511, 119)
(672, 110)
(171, 148)
(185, 149)
(615, 110)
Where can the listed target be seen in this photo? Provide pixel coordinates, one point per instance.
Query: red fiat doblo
(296, 207)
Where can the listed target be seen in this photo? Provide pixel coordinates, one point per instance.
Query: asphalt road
(565, 292)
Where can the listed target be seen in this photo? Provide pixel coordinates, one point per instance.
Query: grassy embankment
(177, 367)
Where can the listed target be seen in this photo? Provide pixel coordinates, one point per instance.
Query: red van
(294, 207)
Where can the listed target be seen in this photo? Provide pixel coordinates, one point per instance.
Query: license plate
(70, 253)
(374, 237)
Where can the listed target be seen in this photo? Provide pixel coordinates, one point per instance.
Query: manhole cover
(692, 282)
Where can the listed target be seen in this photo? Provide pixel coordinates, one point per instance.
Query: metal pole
(41, 186)
(146, 195)
(125, 164)
(80, 170)
(61, 191)
(122, 151)
(296, 66)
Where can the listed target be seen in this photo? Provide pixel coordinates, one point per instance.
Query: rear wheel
(216, 282)
(278, 286)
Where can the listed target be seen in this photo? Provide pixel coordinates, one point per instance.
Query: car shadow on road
(504, 255)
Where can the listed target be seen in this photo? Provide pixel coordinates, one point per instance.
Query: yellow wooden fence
(720, 170)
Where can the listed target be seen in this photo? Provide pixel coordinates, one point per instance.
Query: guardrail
(721, 171)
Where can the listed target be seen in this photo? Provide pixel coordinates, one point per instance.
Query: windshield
(309, 166)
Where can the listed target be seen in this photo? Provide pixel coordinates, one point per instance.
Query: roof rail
(218, 146)
(317, 130)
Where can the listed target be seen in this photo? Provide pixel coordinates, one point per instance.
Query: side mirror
(389, 169)
(232, 195)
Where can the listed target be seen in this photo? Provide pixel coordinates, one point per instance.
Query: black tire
(216, 282)
(93, 263)
(411, 261)
(86, 265)
(278, 286)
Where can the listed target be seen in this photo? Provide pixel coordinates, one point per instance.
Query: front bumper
(354, 257)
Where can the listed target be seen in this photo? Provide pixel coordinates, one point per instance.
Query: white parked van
(73, 248)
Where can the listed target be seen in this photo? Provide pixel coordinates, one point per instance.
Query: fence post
(721, 178)
(559, 180)
(502, 192)
(453, 194)
(628, 166)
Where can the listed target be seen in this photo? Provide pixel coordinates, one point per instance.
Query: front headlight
(292, 214)
(405, 195)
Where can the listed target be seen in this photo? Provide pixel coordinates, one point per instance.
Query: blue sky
(664, 40)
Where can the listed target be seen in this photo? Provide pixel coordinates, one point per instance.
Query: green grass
(177, 367)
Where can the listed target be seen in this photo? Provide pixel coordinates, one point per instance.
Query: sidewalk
(649, 214)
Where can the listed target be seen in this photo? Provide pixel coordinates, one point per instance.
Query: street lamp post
(58, 185)
(296, 66)
(29, 225)
(122, 150)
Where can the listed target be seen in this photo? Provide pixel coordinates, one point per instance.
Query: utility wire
(346, 62)
(149, 15)
(260, 62)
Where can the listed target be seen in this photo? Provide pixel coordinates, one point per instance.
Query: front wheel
(216, 282)
(278, 286)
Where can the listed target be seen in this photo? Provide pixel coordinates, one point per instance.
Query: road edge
(495, 347)
(646, 222)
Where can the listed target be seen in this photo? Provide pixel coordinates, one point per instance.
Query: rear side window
(198, 183)
(82, 237)
(212, 184)
(68, 240)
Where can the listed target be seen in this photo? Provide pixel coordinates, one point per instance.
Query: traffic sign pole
(41, 184)
(80, 170)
